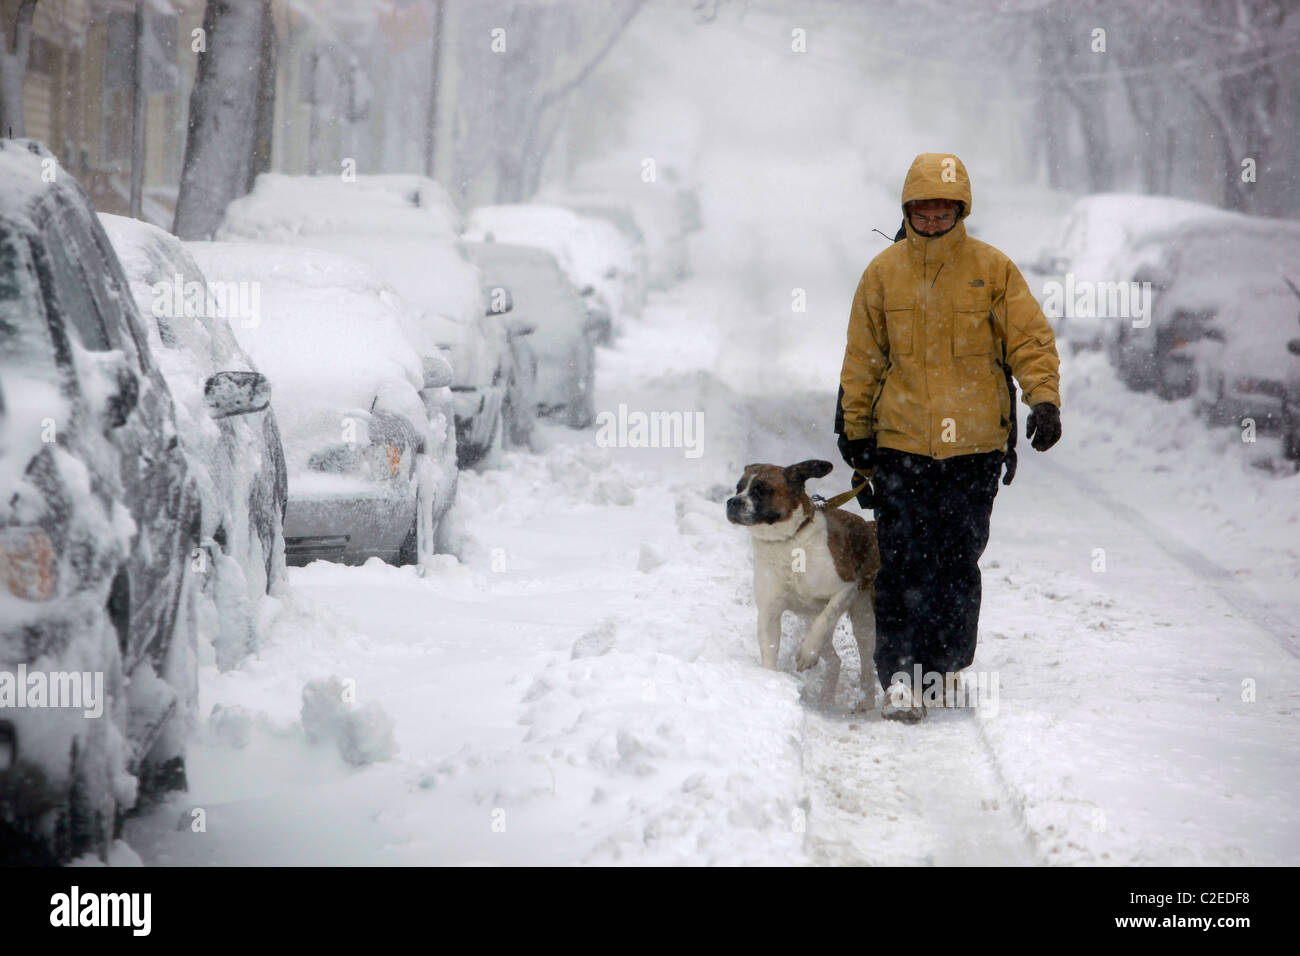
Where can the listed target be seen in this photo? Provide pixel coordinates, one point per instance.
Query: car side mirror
(236, 393)
(1293, 346)
(437, 371)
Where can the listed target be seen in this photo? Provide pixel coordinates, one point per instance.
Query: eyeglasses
(940, 220)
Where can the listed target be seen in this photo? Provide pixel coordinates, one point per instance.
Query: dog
(815, 563)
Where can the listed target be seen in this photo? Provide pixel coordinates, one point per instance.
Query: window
(74, 297)
(24, 335)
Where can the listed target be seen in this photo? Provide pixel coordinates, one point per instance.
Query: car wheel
(518, 424)
(497, 445)
(89, 817)
(1290, 434)
(408, 553)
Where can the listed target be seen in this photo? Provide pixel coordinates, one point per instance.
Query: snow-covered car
(564, 333)
(234, 454)
(367, 423)
(406, 228)
(519, 411)
(98, 519)
(598, 259)
(637, 268)
(1196, 268)
(1238, 350)
(1094, 245)
(666, 209)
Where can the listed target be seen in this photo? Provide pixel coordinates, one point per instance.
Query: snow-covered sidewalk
(584, 688)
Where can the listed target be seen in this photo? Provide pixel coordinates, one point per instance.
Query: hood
(938, 176)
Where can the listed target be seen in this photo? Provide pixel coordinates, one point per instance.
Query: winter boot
(901, 704)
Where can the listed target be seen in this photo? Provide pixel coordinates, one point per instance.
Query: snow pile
(362, 734)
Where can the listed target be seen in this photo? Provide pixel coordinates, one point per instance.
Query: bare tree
(138, 103)
(435, 87)
(519, 62)
(235, 81)
(1241, 94)
(13, 67)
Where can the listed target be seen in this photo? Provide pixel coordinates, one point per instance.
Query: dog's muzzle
(740, 510)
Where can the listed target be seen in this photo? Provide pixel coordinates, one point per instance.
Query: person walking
(926, 411)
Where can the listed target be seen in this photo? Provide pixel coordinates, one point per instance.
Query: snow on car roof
(405, 227)
(1099, 229)
(587, 247)
(1233, 249)
(285, 208)
(22, 163)
(330, 335)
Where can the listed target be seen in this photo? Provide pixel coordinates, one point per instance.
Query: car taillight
(383, 459)
(27, 563)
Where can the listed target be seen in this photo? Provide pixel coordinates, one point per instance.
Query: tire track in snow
(1231, 591)
(882, 793)
(889, 794)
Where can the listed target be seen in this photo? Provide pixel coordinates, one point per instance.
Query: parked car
(235, 455)
(1196, 269)
(637, 267)
(1095, 244)
(598, 259)
(406, 228)
(666, 209)
(367, 424)
(98, 517)
(564, 332)
(1238, 350)
(519, 413)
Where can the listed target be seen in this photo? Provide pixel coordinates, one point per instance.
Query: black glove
(859, 453)
(1044, 426)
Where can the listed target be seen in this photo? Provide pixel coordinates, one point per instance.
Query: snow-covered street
(386, 388)
(586, 688)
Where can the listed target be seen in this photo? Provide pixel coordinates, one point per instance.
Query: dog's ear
(812, 468)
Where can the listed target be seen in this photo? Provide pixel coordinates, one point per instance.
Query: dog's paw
(807, 656)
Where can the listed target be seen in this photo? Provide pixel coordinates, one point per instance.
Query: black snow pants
(932, 521)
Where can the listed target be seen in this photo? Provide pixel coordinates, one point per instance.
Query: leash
(830, 504)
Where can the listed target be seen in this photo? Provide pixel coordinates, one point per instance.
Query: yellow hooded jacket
(926, 331)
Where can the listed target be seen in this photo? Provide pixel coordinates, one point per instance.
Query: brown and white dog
(815, 563)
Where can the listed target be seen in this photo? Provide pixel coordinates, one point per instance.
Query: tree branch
(555, 93)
